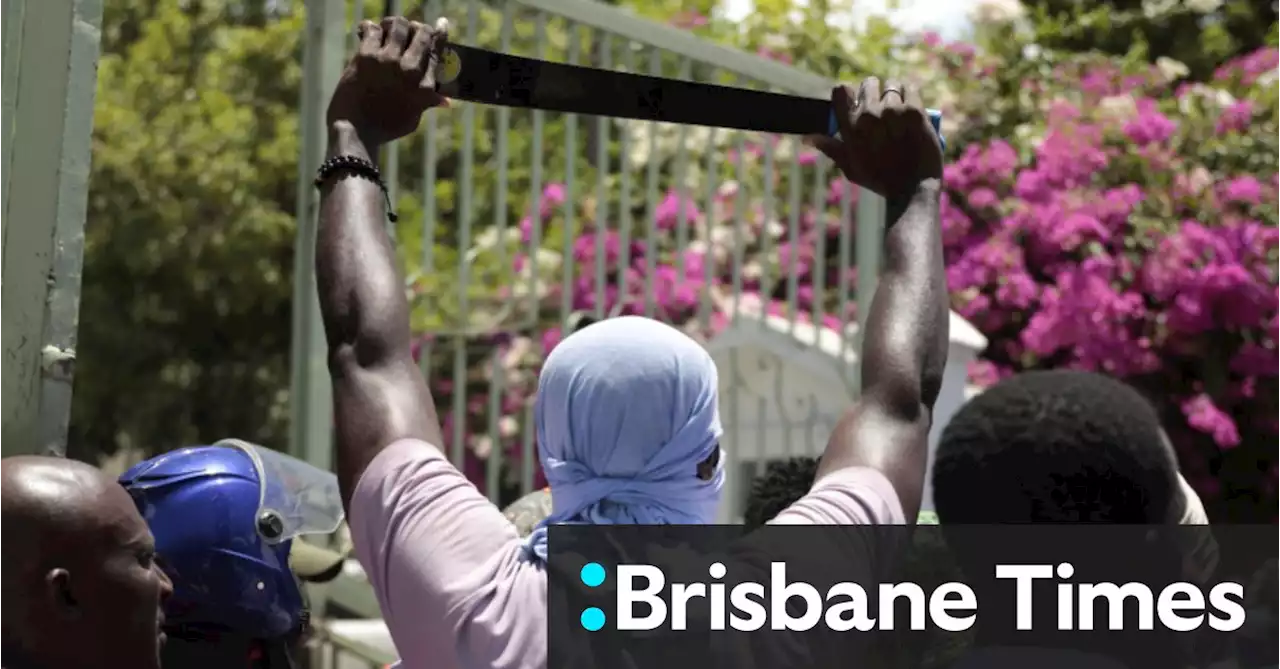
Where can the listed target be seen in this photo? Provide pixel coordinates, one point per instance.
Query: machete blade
(488, 77)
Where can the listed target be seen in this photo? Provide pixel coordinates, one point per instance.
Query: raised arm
(379, 395)
(442, 561)
(887, 145)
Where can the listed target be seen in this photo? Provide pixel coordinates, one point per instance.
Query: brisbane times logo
(644, 600)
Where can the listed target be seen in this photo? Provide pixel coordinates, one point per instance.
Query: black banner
(932, 596)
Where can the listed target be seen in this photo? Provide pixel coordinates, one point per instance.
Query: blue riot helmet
(225, 518)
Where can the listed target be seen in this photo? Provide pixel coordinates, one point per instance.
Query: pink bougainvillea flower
(1205, 416)
(667, 214)
(1245, 190)
(1151, 126)
(1235, 118)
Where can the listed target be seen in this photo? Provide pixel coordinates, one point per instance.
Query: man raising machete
(458, 587)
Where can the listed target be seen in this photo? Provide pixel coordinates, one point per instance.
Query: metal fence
(515, 222)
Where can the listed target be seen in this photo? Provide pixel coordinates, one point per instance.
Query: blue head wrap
(626, 410)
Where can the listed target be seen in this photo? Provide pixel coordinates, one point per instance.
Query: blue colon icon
(592, 576)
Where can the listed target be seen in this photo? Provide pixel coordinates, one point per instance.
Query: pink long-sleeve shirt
(448, 570)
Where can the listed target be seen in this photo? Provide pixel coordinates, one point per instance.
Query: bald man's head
(80, 585)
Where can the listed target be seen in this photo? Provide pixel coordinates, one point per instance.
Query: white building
(784, 385)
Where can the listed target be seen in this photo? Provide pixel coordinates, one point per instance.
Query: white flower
(1118, 108)
(997, 11)
(492, 237)
(721, 235)
(1223, 98)
(521, 347)
(720, 247)
(910, 57)
(1028, 99)
(637, 134)
(1203, 6)
(941, 95)
(648, 140)
(950, 127)
(751, 303)
(1027, 134)
(1171, 69)
(783, 152)
(531, 279)
(697, 138)
(1156, 8)
(1199, 179)
(1032, 51)
(1215, 97)
(547, 260)
(482, 446)
(691, 178)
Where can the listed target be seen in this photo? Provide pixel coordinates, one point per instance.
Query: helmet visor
(294, 497)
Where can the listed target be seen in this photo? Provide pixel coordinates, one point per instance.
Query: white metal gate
(513, 221)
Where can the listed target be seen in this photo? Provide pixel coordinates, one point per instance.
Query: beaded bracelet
(358, 167)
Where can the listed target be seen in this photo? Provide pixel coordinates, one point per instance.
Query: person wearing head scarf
(628, 426)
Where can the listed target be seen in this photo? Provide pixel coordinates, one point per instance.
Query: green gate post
(50, 76)
(310, 435)
(310, 395)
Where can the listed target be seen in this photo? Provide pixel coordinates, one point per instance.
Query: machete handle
(935, 119)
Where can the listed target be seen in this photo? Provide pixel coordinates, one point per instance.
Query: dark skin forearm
(379, 394)
(905, 345)
(363, 304)
(904, 351)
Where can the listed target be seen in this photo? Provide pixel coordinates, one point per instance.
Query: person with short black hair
(82, 589)
(1055, 446)
(1068, 447)
(779, 486)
